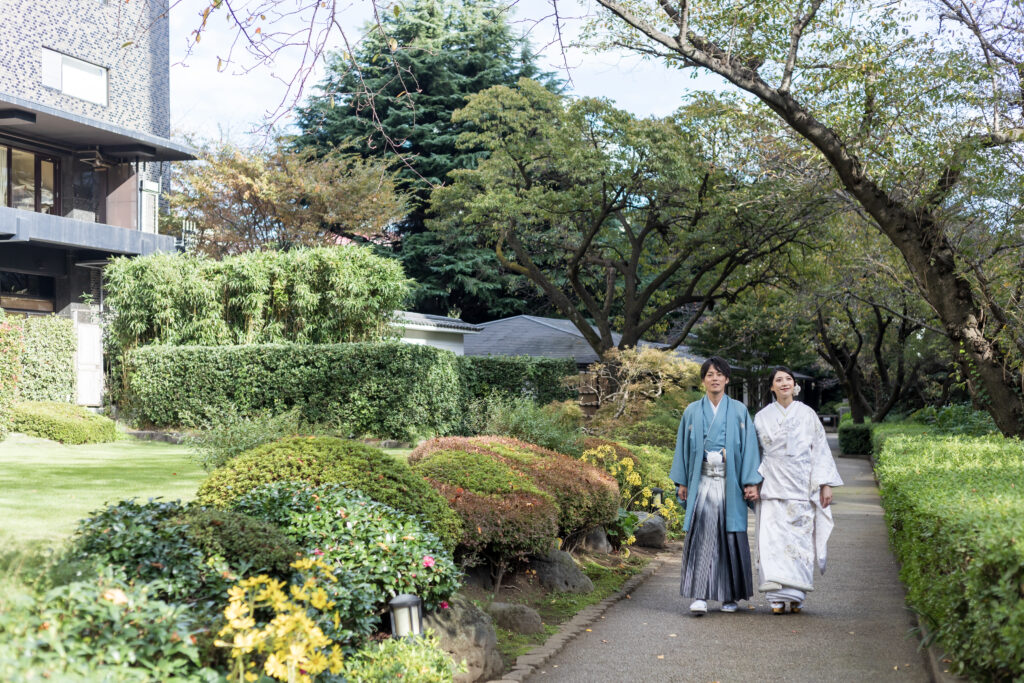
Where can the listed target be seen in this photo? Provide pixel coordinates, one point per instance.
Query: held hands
(750, 492)
(681, 492)
(826, 495)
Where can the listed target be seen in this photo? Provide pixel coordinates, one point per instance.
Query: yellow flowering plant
(636, 482)
(291, 646)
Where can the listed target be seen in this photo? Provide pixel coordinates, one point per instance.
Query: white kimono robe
(792, 526)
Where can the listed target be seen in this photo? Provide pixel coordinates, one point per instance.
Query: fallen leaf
(672, 635)
(661, 656)
(589, 630)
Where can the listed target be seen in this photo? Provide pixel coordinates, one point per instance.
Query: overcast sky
(231, 103)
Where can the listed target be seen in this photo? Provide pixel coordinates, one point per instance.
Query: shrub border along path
(527, 663)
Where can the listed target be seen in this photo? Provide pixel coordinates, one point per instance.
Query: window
(30, 181)
(74, 77)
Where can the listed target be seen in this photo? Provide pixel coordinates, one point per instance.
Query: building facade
(84, 144)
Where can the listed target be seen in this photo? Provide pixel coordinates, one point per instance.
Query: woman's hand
(750, 493)
(826, 495)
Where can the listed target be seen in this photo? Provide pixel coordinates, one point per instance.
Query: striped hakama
(716, 563)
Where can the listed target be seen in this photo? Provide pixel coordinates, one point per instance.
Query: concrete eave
(76, 133)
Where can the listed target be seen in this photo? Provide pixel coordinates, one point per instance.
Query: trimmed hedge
(384, 389)
(10, 370)
(48, 361)
(327, 460)
(515, 376)
(955, 509)
(63, 422)
(855, 439)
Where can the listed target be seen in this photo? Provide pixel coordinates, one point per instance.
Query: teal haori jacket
(742, 458)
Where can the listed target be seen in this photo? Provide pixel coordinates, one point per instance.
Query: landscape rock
(651, 532)
(557, 571)
(518, 618)
(467, 633)
(596, 541)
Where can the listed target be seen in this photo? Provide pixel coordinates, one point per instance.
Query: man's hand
(681, 492)
(750, 492)
(826, 496)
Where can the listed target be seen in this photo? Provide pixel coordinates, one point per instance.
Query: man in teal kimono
(715, 470)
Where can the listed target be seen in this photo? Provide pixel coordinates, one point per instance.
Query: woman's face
(783, 385)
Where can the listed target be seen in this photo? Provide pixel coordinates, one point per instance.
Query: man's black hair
(719, 364)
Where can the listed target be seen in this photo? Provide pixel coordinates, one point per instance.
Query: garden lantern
(406, 616)
(656, 496)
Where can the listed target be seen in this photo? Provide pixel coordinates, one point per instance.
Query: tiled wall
(95, 31)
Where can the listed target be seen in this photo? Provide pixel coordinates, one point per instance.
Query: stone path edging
(527, 663)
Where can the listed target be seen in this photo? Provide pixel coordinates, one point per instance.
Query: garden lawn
(46, 487)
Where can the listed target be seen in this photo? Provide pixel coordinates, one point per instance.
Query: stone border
(528, 663)
(165, 437)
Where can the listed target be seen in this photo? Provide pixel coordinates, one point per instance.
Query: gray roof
(528, 335)
(435, 321)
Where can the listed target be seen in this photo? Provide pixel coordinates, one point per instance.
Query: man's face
(715, 381)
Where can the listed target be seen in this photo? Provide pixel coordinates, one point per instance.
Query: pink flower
(318, 552)
(428, 561)
(444, 604)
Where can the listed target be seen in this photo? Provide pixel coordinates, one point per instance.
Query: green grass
(46, 487)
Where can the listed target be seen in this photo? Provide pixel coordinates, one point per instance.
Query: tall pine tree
(394, 98)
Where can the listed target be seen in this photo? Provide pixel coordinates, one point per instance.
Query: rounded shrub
(241, 540)
(505, 517)
(584, 495)
(854, 439)
(192, 552)
(328, 460)
(378, 551)
(63, 422)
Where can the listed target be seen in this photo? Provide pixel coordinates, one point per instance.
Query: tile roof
(528, 335)
(434, 321)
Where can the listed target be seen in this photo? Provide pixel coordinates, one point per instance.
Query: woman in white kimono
(793, 517)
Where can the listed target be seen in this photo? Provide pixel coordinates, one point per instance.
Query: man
(715, 470)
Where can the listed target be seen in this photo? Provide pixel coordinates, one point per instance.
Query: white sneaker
(729, 607)
(698, 608)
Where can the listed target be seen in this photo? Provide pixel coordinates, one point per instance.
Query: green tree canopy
(393, 98)
(917, 109)
(626, 223)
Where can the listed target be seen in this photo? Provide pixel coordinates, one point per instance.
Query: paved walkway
(855, 626)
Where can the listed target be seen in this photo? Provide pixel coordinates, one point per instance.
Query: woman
(793, 517)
